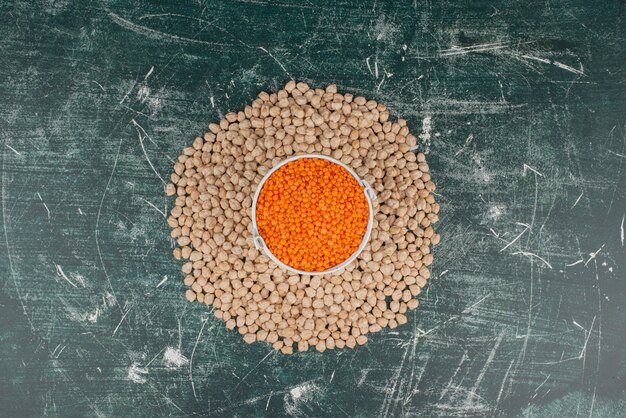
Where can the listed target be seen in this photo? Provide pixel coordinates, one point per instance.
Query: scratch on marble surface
(516, 238)
(529, 254)
(60, 273)
(481, 376)
(143, 148)
(121, 320)
(593, 255)
(278, 62)
(193, 352)
(555, 63)
(455, 50)
(13, 149)
(621, 235)
(154, 207)
(44, 204)
(577, 200)
(153, 33)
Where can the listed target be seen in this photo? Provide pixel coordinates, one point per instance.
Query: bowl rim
(370, 196)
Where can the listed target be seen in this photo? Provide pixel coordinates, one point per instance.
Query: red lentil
(312, 214)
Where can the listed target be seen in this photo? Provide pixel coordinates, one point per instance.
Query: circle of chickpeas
(214, 181)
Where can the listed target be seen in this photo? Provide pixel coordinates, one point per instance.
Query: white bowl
(369, 196)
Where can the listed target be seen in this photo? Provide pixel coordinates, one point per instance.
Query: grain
(312, 214)
(212, 183)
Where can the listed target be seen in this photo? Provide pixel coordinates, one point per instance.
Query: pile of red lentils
(214, 181)
(312, 214)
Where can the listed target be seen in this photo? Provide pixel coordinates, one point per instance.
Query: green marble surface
(526, 101)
